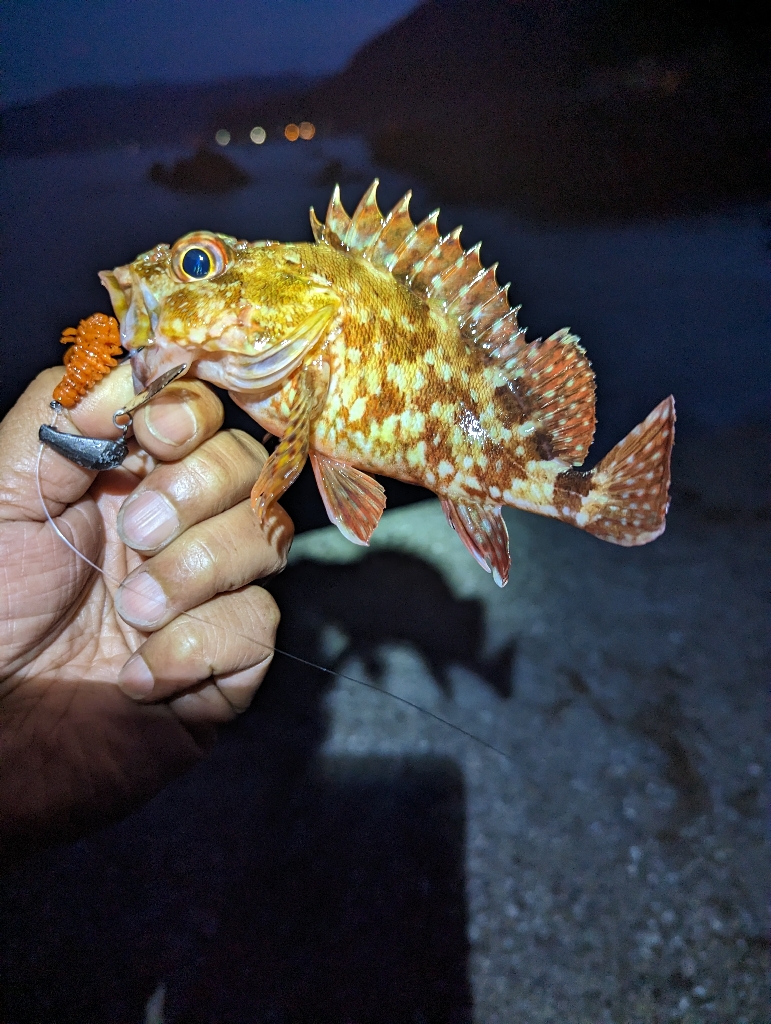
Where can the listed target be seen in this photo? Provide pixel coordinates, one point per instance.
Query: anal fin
(354, 501)
(484, 534)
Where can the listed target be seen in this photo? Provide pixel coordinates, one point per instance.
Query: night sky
(53, 44)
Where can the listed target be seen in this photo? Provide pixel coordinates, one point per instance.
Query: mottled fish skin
(383, 348)
(409, 398)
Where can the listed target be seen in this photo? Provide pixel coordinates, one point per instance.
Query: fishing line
(275, 650)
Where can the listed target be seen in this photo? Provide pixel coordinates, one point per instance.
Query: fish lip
(134, 304)
(152, 361)
(139, 370)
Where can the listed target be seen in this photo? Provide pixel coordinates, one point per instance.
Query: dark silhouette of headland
(573, 111)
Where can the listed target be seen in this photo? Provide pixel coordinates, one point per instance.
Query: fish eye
(199, 257)
(196, 263)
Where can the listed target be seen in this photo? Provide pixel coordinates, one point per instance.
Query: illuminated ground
(615, 866)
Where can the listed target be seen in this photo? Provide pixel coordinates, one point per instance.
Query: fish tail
(628, 498)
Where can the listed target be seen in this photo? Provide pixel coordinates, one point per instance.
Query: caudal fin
(629, 495)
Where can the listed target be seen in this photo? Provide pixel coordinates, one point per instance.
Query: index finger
(181, 417)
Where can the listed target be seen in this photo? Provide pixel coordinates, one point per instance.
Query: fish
(384, 348)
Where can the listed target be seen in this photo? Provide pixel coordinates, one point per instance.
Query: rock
(203, 172)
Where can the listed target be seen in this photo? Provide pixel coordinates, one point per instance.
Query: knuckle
(199, 558)
(186, 643)
(176, 655)
(256, 452)
(225, 458)
(204, 471)
(267, 609)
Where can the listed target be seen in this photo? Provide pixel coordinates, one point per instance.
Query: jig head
(96, 453)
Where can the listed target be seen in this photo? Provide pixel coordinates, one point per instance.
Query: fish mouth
(152, 361)
(134, 305)
(137, 311)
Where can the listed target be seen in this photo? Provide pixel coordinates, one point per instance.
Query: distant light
(292, 132)
(258, 136)
(307, 130)
(222, 137)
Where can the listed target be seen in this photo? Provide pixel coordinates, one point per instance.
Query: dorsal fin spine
(486, 315)
(464, 291)
(426, 227)
(476, 311)
(454, 236)
(366, 222)
(495, 346)
(432, 253)
(337, 221)
(317, 227)
(400, 211)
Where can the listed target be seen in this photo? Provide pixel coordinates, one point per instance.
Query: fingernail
(171, 422)
(147, 520)
(141, 600)
(135, 678)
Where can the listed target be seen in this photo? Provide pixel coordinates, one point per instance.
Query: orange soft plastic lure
(95, 347)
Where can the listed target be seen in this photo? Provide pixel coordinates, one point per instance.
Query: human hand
(108, 692)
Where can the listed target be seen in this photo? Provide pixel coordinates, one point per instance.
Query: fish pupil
(197, 263)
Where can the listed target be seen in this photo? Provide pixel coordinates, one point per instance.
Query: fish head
(241, 314)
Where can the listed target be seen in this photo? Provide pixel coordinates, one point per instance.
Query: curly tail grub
(95, 344)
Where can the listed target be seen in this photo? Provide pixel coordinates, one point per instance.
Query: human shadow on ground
(273, 883)
(388, 597)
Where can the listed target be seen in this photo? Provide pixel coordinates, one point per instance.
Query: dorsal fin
(366, 222)
(554, 385)
(431, 266)
(337, 223)
(553, 379)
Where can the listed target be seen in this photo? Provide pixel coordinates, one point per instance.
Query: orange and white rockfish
(385, 348)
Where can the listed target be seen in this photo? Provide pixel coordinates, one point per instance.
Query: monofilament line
(275, 650)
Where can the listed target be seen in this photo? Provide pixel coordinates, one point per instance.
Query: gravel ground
(616, 865)
(343, 857)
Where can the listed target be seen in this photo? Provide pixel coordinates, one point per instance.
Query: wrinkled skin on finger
(108, 691)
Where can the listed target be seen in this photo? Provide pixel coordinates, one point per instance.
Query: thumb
(62, 482)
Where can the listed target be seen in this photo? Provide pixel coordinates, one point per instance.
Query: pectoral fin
(288, 458)
(484, 534)
(353, 500)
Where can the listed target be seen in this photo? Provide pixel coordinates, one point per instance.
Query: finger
(180, 418)
(219, 555)
(220, 699)
(175, 496)
(62, 482)
(184, 415)
(231, 634)
(93, 414)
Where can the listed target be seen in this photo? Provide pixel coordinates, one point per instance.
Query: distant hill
(101, 117)
(449, 56)
(560, 109)
(567, 108)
